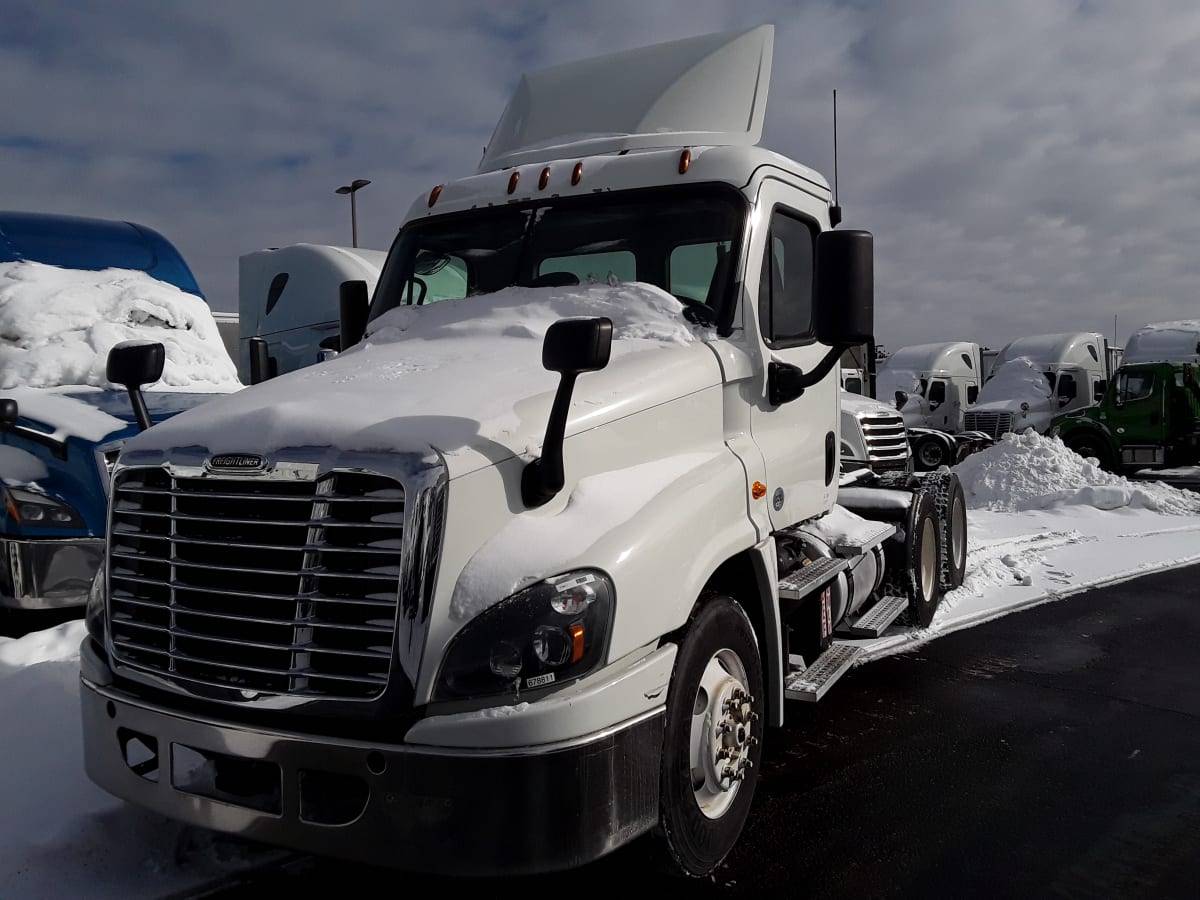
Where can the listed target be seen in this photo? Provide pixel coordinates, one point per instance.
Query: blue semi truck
(57, 442)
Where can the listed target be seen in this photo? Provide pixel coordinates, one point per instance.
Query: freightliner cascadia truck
(531, 567)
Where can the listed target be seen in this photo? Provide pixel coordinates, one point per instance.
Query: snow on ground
(60, 835)
(57, 326)
(1043, 526)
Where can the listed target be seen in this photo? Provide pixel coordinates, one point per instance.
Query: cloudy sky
(1026, 167)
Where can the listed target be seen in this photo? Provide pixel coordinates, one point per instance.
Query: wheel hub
(723, 726)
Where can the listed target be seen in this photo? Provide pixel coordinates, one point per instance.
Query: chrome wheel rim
(928, 565)
(721, 738)
(958, 533)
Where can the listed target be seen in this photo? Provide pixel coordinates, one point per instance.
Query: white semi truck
(1036, 378)
(527, 570)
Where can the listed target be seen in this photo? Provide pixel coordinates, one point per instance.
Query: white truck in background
(1036, 378)
(938, 382)
(1176, 342)
(276, 309)
(526, 571)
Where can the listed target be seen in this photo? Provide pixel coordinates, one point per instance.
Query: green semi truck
(1149, 418)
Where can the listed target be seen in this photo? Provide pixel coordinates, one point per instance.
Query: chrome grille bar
(266, 585)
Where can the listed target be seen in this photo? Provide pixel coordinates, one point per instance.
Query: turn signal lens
(577, 642)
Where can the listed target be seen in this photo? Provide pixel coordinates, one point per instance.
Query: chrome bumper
(437, 810)
(48, 573)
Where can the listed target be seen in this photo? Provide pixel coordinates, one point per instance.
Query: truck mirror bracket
(786, 382)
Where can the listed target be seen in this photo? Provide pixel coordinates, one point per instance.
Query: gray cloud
(1026, 166)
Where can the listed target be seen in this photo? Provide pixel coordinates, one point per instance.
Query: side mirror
(901, 399)
(133, 364)
(9, 412)
(934, 404)
(571, 347)
(353, 307)
(1063, 401)
(845, 277)
(261, 364)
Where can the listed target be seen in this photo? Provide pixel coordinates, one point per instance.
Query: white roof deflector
(707, 90)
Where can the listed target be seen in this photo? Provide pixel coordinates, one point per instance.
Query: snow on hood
(63, 415)
(1031, 471)
(1017, 381)
(57, 326)
(859, 403)
(460, 376)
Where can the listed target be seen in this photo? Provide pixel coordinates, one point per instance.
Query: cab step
(803, 581)
(879, 617)
(812, 683)
(872, 535)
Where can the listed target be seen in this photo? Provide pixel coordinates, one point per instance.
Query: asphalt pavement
(1051, 753)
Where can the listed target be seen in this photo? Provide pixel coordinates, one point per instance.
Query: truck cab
(1149, 418)
(562, 526)
(1036, 378)
(73, 287)
(939, 382)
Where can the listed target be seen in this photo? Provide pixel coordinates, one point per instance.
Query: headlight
(555, 631)
(34, 510)
(95, 606)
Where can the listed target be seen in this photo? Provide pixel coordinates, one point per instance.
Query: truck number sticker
(539, 680)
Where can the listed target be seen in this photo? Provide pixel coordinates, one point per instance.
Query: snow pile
(60, 835)
(1170, 341)
(1031, 471)
(638, 311)
(57, 326)
(1018, 379)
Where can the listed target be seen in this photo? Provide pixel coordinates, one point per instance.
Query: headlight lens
(94, 614)
(31, 509)
(555, 631)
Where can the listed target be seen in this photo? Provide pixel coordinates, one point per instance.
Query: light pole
(351, 189)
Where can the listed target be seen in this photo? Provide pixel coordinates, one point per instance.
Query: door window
(1134, 386)
(972, 393)
(937, 393)
(785, 288)
(1067, 389)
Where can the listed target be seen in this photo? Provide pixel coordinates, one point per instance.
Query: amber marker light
(434, 194)
(576, 642)
(685, 161)
(577, 174)
(544, 179)
(512, 181)
(758, 490)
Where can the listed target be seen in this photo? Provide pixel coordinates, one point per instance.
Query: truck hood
(462, 377)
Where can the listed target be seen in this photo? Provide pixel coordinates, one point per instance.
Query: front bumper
(429, 809)
(48, 573)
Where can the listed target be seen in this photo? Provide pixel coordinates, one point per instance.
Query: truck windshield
(683, 240)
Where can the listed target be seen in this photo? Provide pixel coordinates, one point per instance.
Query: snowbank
(1016, 380)
(1031, 471)
(60, 835)
(57, 326)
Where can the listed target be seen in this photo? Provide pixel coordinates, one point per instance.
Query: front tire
(930, 451)
(1090, 446)
(914, 566)
(712, 741)
(951, 506)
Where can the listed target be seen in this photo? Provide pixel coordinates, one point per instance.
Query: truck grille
(992, 424)
(257, 584)
(887, 441)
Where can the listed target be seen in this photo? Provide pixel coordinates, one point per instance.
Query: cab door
(1139, 411)
(799, 440)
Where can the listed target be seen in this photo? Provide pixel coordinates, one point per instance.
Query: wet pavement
(1051, 753)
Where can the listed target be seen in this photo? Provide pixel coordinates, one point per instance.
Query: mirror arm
(543, 478)
(786, 382)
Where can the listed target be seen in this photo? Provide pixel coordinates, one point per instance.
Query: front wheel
(1090, 446)
(712, 739)
(914, 564)
(931, 452)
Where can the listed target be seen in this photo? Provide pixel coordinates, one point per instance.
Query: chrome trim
(422, 475)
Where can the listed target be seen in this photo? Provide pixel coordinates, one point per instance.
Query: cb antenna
(835, 211)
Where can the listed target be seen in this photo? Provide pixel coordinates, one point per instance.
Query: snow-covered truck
(70, 289)
(1177, 342)
(1037, 378)
(525, 572)
(934, 385)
